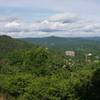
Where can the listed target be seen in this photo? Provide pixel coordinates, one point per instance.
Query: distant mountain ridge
(61, 38)
(63, 43)
(8, 44)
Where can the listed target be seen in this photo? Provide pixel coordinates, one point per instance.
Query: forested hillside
(31, 72)
(8, 44)
(62, 44)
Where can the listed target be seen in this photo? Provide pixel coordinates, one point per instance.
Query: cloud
(64, 25)
(65, 18)
(12, 24)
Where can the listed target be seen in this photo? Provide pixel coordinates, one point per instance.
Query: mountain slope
(8, 44)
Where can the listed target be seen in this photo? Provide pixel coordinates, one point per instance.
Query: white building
(70, 53)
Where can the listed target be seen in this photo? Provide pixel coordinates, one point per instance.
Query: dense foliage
(37, 73)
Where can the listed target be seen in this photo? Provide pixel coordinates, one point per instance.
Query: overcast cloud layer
(40, 18)
(63, 24)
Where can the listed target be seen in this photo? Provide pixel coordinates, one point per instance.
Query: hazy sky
(39, 9)
(18, 17)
